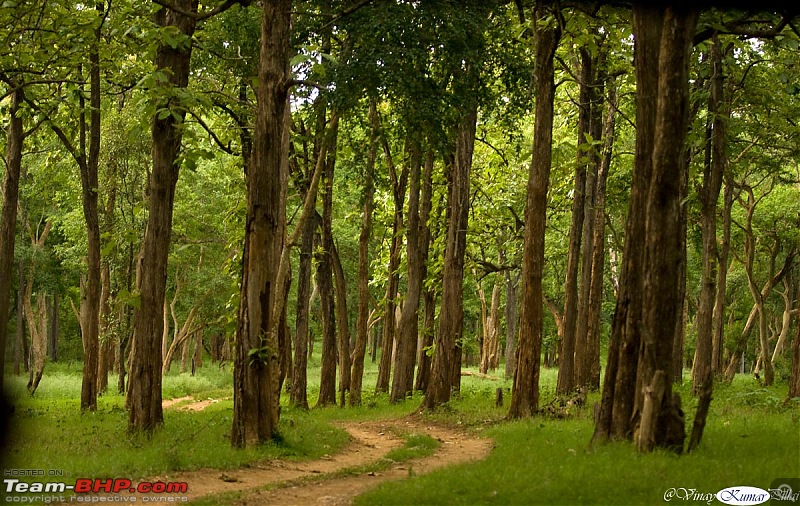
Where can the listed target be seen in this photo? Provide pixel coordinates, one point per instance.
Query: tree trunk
(8, 225)
(718, 318)
(786, 319)
(52, 328)
(327, 386)
(709, 195)
(144, 392)
(512, 318)
(105, 358)
(362, 311)
(566, 365)
(483, 337)
(89, 192)
(37, 328)
(445, 370)
(615, 419)
(493, 360)
(299, 393)
(389, 317)
(342, 326)
(592, 368)
(584, 348)
(758, 297)
(429, 294)
(107, 346)
(408, 331)
(19, 343)
(256, 387)
(126, 314)
(741, 344)
(525, 392)
(643, 334)
(663, 308)
(428, 334)
(794, 377)
(197, 354)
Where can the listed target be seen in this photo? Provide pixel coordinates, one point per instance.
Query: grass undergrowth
(48, 432)
(751, 438)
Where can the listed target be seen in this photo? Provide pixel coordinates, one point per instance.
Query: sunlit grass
(752, 437)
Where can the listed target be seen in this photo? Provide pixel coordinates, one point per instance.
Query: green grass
(416, 446)
(751, 438)
(48, 431)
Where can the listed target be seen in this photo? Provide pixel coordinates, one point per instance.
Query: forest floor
(332, 479)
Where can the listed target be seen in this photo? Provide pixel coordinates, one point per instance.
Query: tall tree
(713, 172)
(616, 407)
(169, 104)
(8, 220)
(591, 363)
(566, 365)
(362, 310)
(166, 126)
(327, 386)
(447, 358)
(399, 184)
(525, 392)
(637, 399)
(257, 363)
(408, 327)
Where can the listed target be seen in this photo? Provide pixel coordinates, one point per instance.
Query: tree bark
(428, 294)
(408, 330)
(256, 392)
(8, 225)
(586, 353)
(107, 346)
(327, 387)
(786, 318)
(591, 364)
(37, 328)
(52, 328)
(709, 195)
(445, 369)
(718, 318)
(643, 334)
(342, 326)
(19, 343)
(389, 317)
(89, 191)
(663, 308)
(362, 310)
(299, 393)
(566, 364)
(794, 377)
(614, 420)
(525, 392)
(512, 319)
(144, 387)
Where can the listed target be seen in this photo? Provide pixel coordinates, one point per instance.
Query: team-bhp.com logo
(91, 486)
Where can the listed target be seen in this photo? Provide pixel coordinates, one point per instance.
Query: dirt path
(456, 448)
(370, 442)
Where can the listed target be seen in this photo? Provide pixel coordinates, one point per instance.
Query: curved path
(371, 440)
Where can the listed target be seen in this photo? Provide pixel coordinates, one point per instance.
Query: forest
(243, 235)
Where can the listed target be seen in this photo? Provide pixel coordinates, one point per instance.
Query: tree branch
(739, 27)
(200, 16)
(213, 135)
